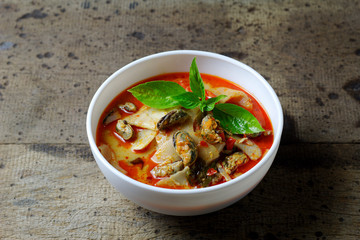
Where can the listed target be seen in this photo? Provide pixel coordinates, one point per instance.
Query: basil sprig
(197, 87)
(165, 94)
(209, 104)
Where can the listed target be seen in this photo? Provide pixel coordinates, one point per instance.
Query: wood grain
(54, 55)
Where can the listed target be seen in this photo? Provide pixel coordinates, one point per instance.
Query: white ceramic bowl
(193, 201)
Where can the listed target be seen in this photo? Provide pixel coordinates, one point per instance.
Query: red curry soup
(185, 147)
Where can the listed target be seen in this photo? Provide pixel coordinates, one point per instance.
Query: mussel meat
(233, 161)
(173, 117)
(111, 116)
(185, 147)
(124, 129)
(167, 169)
(210, 130)
(128, 106)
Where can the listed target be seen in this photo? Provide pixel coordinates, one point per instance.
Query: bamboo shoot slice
(143, 139)
(177, 179)
(166, 152)
(249, 148)
(146, 117)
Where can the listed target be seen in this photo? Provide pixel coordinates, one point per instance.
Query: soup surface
(181, 148)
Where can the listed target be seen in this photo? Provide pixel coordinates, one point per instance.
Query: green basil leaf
(196, 82)
(236, 119)
(157, 94)
(188, 100)
(210, 103)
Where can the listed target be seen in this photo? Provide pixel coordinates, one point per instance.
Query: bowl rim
(197, 53)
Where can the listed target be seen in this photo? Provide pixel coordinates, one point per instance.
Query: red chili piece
(209, 94)
(222, 135)
(211, 172)
(230, 143)
(203, 144)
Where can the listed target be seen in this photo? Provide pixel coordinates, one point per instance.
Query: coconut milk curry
(182, 148)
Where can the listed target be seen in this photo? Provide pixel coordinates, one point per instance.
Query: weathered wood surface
(55, 54)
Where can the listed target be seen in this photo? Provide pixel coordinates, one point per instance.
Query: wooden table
(55, 54)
